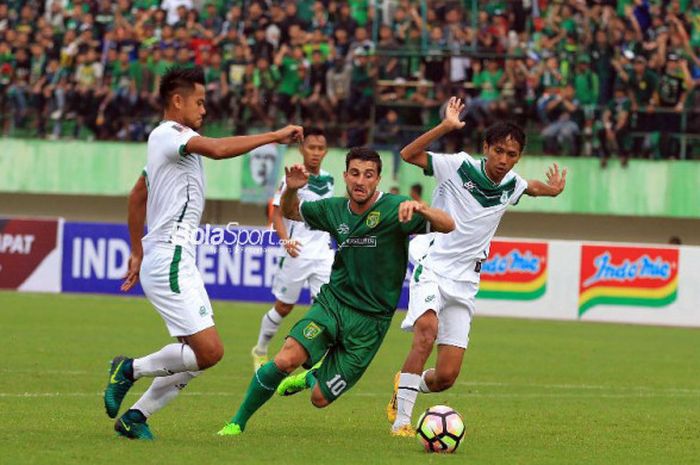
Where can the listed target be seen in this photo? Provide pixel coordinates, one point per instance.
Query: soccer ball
(440, 429)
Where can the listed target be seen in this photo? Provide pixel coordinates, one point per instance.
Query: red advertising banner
(24, 245)
(633, 276)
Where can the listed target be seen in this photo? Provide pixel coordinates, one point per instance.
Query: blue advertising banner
(236, 262)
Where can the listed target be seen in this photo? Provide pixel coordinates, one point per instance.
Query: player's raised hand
(407, 208)
(293, 247)
(132, 274)
(296, 176)
(289, 134)
(555, 179)
(454, 108)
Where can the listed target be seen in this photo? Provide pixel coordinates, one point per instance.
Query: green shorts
(349, 339)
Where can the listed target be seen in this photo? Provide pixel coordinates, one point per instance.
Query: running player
(165, 262)
(307, 256)
(352, 313)
(446, 279)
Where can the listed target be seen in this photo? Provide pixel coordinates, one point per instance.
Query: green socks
(261, 388)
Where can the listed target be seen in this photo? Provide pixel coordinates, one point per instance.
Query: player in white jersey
(446, 277)
(307, 256)
(164, 260)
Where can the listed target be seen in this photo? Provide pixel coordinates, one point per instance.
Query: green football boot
(120, 381)
(293, 384)
(231, 429)
(133, 425)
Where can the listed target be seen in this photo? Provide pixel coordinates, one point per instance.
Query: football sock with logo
(163, 390)
(268, 328)
(261, 388)
(173, 358)
(406, 398)
(423, 386)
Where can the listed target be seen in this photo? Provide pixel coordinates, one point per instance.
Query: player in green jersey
(352, 313)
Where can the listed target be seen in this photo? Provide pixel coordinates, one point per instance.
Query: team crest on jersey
(504, 197)
(373, 219)
(469, 185)
(311, 331)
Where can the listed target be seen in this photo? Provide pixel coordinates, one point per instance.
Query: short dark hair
(314, 131)
(364, 154)
(178, 78)
(418, 188)
(502, 130)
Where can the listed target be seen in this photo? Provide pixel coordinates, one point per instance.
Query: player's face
(361, 179)
(313, 149)
(501, 157)
(193, 110)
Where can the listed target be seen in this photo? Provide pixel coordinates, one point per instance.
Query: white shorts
(176, 290)
(453, 301)
(292, 273)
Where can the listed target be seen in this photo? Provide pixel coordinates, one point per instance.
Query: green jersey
(372, 256)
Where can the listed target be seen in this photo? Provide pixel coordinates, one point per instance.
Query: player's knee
(286, 363)
(283, 309)
(425, 331)
(210, 356)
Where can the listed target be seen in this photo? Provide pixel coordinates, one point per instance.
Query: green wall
(645, 188)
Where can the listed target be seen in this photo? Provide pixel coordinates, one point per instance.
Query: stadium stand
(599, 78)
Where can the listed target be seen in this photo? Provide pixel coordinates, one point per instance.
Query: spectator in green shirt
(616, 123)
(489, 81)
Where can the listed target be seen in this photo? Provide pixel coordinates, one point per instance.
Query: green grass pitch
(531, 392)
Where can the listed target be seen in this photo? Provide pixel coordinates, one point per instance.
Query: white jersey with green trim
(175, 187)
(476, 204)
(314, 244)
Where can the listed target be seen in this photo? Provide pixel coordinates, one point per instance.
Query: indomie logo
(643, 267)
(512, 262)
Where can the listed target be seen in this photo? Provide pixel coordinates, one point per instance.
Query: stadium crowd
(594, 77)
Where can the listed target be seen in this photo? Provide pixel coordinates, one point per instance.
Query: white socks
(163, 390)
(423, 386)
(173, 358)
(410, 385)
(406, 398)
(268, 328)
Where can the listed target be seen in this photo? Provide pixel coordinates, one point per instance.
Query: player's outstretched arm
(229, 147)
(440, 220)
(415, 152)
(554, 186)
(296, 177)
(136, 219)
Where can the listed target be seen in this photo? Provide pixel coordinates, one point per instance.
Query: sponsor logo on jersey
(514, 271)
(202, 311)
(364, 241)
(504, 197)
(343, 229)
(469, 185)
(311, 331)
(373, 219)
(637, 276)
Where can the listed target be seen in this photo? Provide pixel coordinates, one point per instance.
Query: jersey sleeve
(316, 214)
(278, 193)
(173, 141)
(443, 165)
(520, 188)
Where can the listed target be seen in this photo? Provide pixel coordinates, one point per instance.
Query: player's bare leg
(406, 390)
(264, 383)
(446, 371)
(269, 326)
